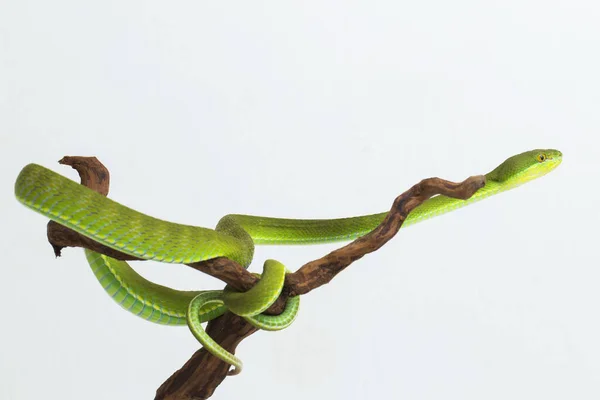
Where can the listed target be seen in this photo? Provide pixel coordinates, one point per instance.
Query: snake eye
(541, 157)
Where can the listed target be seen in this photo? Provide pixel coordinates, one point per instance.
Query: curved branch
(201, 375)
(319, 272)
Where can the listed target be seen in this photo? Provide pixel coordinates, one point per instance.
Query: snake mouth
(557, 156)
(554, 160)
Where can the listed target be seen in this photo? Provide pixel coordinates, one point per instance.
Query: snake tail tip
(234, 371)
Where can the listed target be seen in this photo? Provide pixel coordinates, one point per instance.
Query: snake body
(131, 232)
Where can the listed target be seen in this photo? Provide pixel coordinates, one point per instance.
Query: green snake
(126, 230)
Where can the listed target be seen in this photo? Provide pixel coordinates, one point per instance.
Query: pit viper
(126, 230)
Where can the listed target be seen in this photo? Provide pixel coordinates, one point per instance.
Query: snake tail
(247, 304)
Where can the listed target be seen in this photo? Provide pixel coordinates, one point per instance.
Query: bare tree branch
(321, 271)
(201, 375)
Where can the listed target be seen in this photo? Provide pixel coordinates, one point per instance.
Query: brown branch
(92, 172)
(319, 272)
(201, 375)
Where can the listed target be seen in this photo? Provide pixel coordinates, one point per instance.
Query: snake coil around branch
(200, 376)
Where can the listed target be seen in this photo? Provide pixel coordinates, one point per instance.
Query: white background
(313, 109)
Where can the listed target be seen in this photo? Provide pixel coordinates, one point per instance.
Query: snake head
(525, 167)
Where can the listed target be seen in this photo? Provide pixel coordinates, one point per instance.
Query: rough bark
(199, 377)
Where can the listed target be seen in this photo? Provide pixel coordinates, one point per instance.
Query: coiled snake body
(126, 230)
